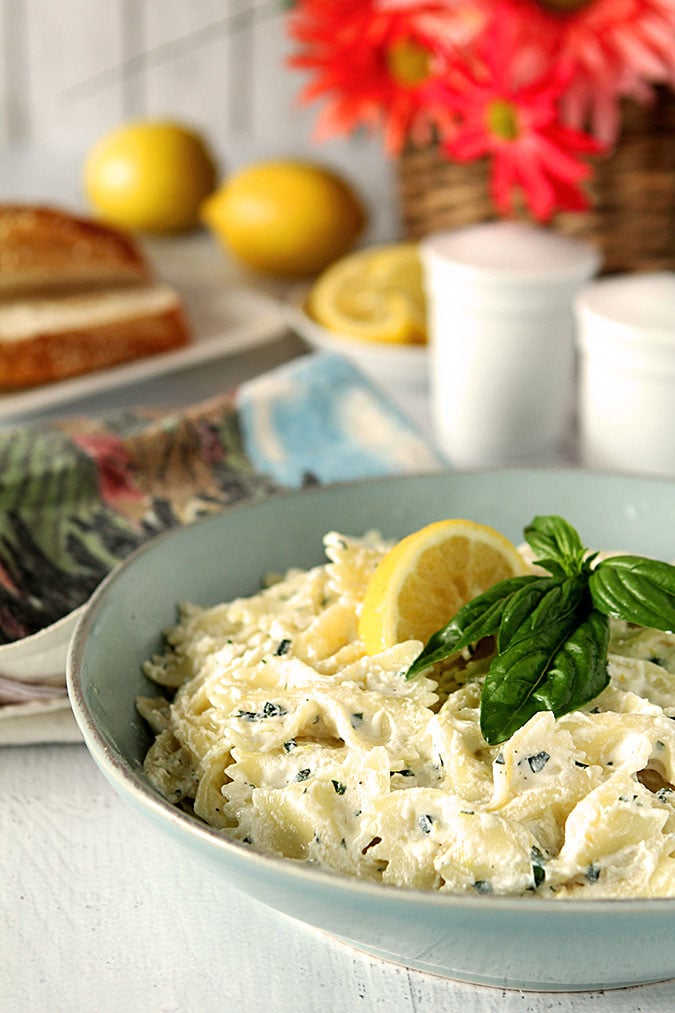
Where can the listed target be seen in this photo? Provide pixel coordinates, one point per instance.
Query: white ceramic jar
(501, 327)
(626, 336)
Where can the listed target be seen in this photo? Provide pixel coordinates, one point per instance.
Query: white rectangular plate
(227, 313)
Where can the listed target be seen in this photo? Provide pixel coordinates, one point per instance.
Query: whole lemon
(150, 175)
(287, 218)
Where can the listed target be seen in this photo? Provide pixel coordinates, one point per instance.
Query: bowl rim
(130, 783)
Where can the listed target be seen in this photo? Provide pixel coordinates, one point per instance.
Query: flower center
(408, 62)
(563, 6)
(502, 119)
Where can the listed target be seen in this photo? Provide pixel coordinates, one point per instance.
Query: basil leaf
(635, 589)
(561, 549)
(579, 670)
(519, 609)
(477, 619)
(508, 699)
(556, 601)
(553, 631)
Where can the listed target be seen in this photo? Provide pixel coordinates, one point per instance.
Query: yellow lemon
(421, 583)
(150, 176)
(373, 295)
(285, 218)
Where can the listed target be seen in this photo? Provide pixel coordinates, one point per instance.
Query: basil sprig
(552, 632)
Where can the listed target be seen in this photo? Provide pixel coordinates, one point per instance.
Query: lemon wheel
(376, 294)
(428, 576)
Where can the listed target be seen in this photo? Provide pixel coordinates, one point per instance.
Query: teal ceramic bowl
(511, 942)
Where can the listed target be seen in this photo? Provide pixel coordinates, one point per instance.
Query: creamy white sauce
(284, 734)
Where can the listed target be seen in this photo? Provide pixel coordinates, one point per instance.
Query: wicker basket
(632, 217)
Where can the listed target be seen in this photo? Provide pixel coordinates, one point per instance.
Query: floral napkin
(79, 494)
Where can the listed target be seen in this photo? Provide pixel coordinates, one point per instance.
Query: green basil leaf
(579, 670)
(508, 699)
(635, 589)
(479, 618)
(537, 607)
(557, 544)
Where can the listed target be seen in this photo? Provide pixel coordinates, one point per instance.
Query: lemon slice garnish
(421, 583)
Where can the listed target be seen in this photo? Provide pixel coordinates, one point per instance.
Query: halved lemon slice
(427, 577)
(373, 295)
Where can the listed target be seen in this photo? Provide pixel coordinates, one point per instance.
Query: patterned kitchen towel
(79, 494)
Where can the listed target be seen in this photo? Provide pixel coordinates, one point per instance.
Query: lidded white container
(501, 326)
(626, 337)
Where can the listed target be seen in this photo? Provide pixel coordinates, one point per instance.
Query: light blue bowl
(514, 942)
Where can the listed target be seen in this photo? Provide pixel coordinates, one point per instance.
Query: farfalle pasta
(283, 734)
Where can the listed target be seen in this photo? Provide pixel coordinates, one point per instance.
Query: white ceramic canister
(626, 336)
(501, 327)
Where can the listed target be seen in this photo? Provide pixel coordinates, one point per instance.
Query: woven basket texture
(632, 191)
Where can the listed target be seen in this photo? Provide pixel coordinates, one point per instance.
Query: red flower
(611, 48)
(515, 122)
(518, 81)
(376, 63)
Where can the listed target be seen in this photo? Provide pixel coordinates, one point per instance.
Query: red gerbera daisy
(516, 124)
(375, 61)
(612, 48)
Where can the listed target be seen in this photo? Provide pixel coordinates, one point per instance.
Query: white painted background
(72, 69)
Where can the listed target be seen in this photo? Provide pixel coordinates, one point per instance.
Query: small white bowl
(400, 367)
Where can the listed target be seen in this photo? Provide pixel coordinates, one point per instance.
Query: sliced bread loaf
(51, 338)
(45, 249)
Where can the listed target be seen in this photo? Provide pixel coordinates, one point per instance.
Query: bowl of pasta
(221, 683)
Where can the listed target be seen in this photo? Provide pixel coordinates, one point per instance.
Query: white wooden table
(97, 914)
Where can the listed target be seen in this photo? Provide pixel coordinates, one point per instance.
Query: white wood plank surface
(14, 116)
(99, 912)
(66, 43)
(70, 71)
(73, 69)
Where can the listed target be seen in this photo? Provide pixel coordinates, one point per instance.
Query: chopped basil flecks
(483, 886)
(538, 761)
(339, 787)
(269, 710)
(538, 870)
(290, 745)
(283, 647)
(303, 774)
(539, 875)
(592, 873)
(425, 823)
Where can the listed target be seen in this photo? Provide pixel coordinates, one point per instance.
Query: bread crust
(77, 296)
(46, 357)
(44, 249)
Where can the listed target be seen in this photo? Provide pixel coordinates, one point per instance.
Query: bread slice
(52, 338)
(45, 249)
